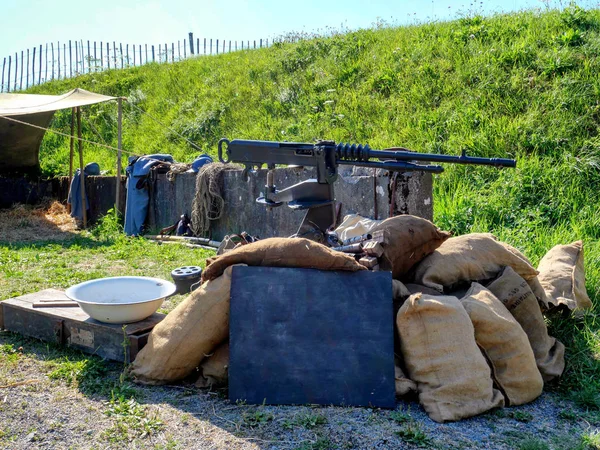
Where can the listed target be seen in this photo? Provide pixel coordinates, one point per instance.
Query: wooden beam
(81, 175)
(119, 146)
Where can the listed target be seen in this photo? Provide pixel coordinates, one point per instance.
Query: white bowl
(121, 299)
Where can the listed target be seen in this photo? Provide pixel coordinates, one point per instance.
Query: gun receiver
(316, 195)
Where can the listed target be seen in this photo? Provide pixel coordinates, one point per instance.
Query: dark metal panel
(305, 336)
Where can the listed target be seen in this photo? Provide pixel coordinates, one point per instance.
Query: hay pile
(49, 221)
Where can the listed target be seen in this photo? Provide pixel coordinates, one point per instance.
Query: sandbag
(516, 295)
(471, 257)
(404, 385)
(282, 252)
(441, 356)
(214, 368)
(562, 276)
(355, 225)
(399, 291)
(407, 240)
(195, 328)
(419, 288)
(505, 344)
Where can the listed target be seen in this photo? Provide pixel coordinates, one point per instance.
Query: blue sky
(28, 23)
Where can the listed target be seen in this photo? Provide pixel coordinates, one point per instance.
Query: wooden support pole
(46, 74)
(119, 146)
(58, 50)
(52, 46)
(191, 36)
(70, 60)
(89, 58)
(81, 176)
(21, 82)
(121, 51)
(108, 55)
(133, 48)
(71, 149)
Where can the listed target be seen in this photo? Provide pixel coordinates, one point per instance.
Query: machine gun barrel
(401, 154)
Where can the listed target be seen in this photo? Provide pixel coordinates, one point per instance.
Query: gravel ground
(55, 412)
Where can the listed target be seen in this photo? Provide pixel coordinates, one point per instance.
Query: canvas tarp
(19, 143)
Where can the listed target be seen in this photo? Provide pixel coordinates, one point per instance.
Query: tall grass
(521, 85)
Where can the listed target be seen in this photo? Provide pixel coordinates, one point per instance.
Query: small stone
(30, 437)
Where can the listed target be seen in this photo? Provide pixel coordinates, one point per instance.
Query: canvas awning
(19, 143)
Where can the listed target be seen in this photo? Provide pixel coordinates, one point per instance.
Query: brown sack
(563, 277)
(418, 288)
(404, 385)
(515, 293)
(178, 343)
(214, 369)
(441, 356)
(399, 291)
(407, 240)
(282, 252)
(471, 257)
(506, 346)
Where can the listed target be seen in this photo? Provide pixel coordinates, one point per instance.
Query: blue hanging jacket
(136, 207)
(74, 197)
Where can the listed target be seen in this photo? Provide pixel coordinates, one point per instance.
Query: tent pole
(81, 175)
(71, 151)
(119, 146)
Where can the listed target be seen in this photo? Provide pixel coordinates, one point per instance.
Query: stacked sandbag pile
(504, 297)
(471, 334)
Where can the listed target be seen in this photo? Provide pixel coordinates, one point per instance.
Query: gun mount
(316, 195)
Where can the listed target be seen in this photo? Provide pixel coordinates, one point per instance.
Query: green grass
(521, 85)
(130, 420)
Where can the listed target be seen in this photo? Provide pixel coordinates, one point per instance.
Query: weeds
(256, 418)
(412, 433)
(521, 416)
(130, 420)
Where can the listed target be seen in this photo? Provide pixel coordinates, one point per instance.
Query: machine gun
(316, 195)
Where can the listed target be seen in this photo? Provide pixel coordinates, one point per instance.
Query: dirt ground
(53, 398)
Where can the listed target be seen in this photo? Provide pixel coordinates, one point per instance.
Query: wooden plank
(8, 84)
(3, 69)
(73, 327)
(46, 74)
(21, 82)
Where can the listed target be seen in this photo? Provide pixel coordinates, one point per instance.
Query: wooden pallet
(73, 327)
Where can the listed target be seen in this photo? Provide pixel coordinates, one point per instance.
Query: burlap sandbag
(562, 276)
(441, 356)
(404, 385)
(515, 293)
(399, 291)
(505, 344)
(282, 252)
(408, 239)
(471, 257)
(214, 369)
(178, 343)
(419, 288)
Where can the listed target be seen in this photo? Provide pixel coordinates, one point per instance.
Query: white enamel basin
(121, 299)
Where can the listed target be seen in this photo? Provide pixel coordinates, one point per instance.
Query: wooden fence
(51, 62)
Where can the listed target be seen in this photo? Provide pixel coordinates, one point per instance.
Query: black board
(306, 336)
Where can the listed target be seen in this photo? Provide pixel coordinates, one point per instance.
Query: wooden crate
(73, 327)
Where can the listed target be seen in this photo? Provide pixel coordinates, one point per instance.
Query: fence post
(184, 49)
(76, 58)
(198, 46)
(141, 54)
(3, 67)
(114, 54)
(21, 82)
(229, 46)
(261, 43)
(255, 44)
(89, 57)
(27, 72)
(217, 46)
(101, 55)
(211, 46)
(205, 46)
(9, 64)
(166, 53)
(133, 48)
(46, 74)
(153, 53)
(52, 46)
(191, 37)
(58, 50)
(70, 60)
(65, 60)
(178, 50)
(108, 55)
(146, 47)
(127, 51)
(121, 51)
(95, 58)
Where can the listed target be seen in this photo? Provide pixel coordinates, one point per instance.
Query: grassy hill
(522, 85)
